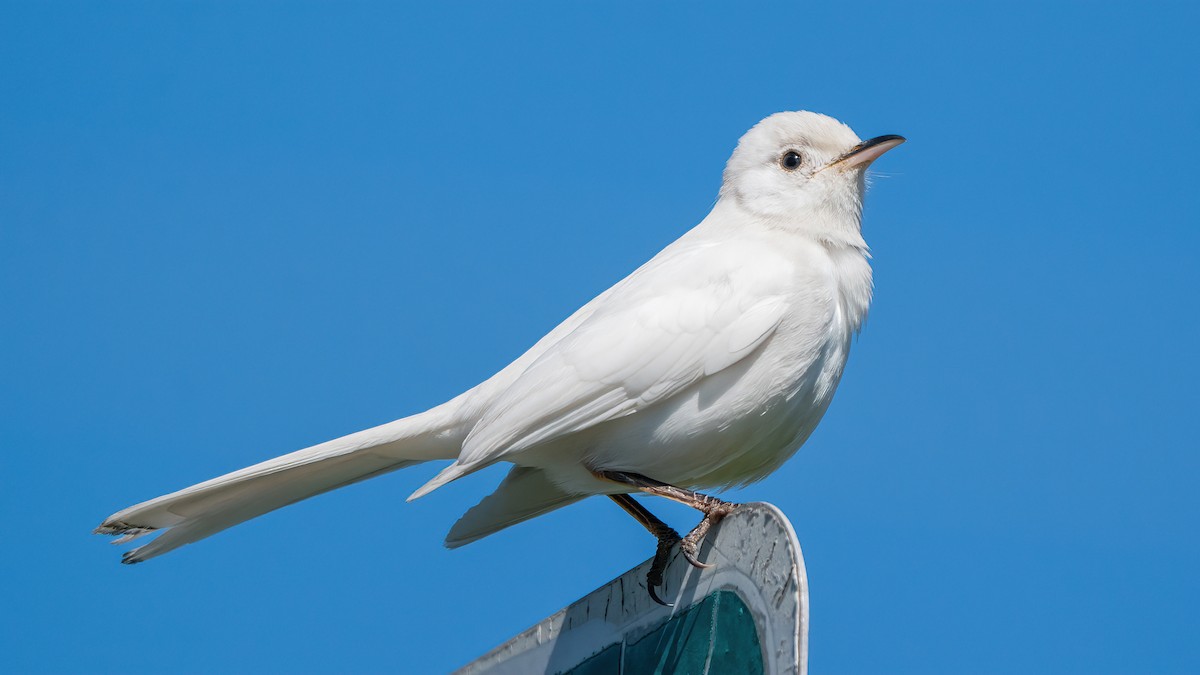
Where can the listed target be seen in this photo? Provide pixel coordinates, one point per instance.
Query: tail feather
(524, 493)
(204, 509)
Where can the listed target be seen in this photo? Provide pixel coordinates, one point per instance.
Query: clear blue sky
(229, 231)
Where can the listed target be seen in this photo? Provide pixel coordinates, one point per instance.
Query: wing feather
(637, 349)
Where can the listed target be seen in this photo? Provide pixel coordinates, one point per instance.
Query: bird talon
(689, 554)
(654, 594)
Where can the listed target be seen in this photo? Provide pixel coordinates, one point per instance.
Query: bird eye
(791, 160)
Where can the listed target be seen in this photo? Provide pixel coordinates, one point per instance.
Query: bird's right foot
(662, 558)
(667, 538)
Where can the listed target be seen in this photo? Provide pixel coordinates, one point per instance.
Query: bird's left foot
(714, 511)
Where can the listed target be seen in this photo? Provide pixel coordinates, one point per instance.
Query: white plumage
(706, 367)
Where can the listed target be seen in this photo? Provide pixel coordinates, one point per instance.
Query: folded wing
(640, 347)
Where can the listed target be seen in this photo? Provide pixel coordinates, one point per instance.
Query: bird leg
(713, 509)
(667, 538)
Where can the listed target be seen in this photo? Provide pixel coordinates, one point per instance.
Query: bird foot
(714, 511)
(689, 546)
(662, 558)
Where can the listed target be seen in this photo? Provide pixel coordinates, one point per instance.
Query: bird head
(805, 172)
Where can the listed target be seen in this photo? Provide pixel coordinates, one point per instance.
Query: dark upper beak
(866, 152)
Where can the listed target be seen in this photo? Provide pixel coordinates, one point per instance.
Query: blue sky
(230, 230)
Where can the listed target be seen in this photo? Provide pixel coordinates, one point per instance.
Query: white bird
(707, 367)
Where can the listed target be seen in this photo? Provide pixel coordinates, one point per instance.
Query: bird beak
(866, 152)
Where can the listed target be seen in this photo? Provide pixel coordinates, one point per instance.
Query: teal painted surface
(716, 635)
(606, 662)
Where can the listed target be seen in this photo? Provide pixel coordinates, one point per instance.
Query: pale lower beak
(866, 152)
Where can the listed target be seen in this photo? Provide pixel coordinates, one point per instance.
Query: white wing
(695, 313)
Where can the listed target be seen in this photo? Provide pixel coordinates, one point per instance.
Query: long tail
(204, 509)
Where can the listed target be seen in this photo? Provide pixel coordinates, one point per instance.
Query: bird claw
(689, 549)
(654, 594)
